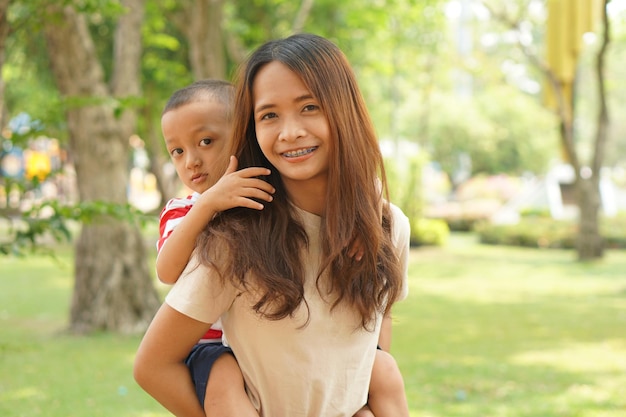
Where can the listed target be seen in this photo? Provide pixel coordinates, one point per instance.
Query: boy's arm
(401, 234)
(234, 189)
(174, 255)
(384, 339)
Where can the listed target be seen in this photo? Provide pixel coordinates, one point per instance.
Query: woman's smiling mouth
(299, 152)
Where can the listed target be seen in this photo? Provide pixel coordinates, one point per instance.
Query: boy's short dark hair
(221, 90)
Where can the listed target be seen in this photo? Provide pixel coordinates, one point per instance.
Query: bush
(476, 200)
(529, 232)
(545, 232)
(614, 231)
(428, 232)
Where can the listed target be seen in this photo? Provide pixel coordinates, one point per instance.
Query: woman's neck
(309, 196)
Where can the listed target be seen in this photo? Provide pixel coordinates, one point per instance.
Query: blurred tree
(113, 287)
(567, 22)
(201, 22)
(29, 85)
(387, 76)
(497, 128)
(165, 68)
(4, 33)
(103, 62)
(200, 39)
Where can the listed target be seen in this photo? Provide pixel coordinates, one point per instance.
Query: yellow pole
(567, 22)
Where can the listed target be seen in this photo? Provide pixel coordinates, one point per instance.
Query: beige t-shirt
(291, 370)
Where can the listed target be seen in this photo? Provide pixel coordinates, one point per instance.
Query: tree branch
(303, 13)
(603, 113)
(565, 116)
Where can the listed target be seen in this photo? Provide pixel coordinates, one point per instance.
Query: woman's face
(291, 127)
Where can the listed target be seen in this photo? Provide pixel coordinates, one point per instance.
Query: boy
(196, 127)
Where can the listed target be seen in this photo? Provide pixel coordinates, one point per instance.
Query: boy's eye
(176, 152)
(206, 142)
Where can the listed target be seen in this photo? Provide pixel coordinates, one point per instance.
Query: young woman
(301, 316)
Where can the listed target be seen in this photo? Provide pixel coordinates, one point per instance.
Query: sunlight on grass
(486, 290)
(22, 394)
(500, 331)
(604, 356)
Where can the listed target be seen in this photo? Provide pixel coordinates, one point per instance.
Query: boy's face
(196, 135)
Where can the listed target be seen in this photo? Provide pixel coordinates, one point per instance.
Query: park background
(500, 126)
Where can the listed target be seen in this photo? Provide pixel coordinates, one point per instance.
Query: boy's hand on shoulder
(239, 189)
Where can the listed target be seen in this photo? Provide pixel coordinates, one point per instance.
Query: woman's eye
(268, 116)
(310, 107)
(206, 142)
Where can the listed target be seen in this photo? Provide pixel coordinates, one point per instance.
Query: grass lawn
(486, 332)
(501, 331)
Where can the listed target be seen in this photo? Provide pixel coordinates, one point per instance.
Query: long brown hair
(268, 243)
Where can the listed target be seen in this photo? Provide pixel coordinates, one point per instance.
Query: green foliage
(29, 85)
(29, 231)
(501, 130)
(99, 8)
(535, 212)
(53, 220)
(404, 177)
(387, 43)
(394, 47)
(254, 22)
(165, 64)
(369, 32)
(461, 224)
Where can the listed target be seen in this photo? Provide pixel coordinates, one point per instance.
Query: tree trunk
(201, 23)
(589, 244)
(127, 50)
(589, 241)
(301, 17)
(203, 29)
(113, 288)
(167, 181)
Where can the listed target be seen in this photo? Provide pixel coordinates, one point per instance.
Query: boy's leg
(386, 395)
(218, 381)
(225, 392)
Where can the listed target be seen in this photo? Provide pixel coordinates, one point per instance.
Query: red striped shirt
(171, 215)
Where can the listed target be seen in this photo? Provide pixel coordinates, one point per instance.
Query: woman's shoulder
(401, 227)
(200, 292)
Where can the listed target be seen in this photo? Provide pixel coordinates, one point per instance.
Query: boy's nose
(193, 160)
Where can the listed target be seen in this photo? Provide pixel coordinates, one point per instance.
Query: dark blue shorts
(200, 361)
